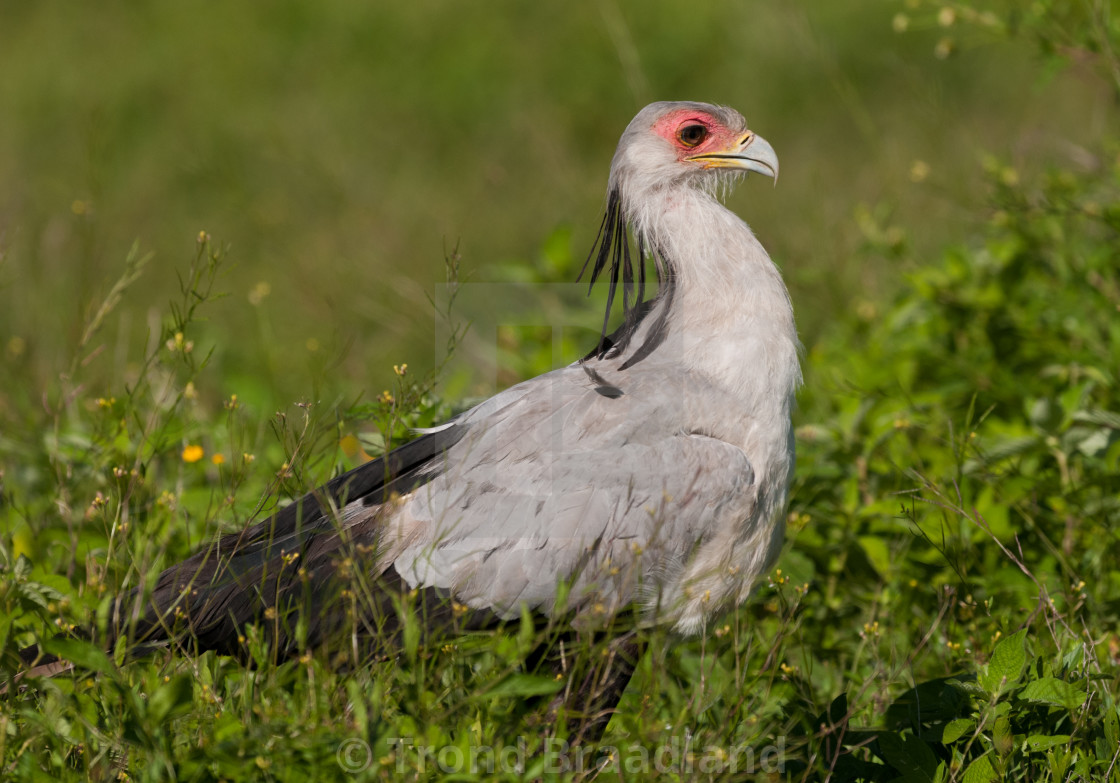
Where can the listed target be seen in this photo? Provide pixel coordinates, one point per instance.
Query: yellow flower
(349, 445)
(180, 343)
(218, 459)
(193, 453)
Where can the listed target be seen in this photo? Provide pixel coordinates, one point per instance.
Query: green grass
(946, 608)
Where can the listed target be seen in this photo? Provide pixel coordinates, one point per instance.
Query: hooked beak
(752, 153)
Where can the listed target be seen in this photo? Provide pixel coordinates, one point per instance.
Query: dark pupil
(693, 134)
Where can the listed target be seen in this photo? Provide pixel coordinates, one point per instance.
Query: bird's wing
(242, 574)
(607, 480)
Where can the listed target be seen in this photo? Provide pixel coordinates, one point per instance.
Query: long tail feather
(299, 574)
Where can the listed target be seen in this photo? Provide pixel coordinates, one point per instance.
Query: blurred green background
(341, 149)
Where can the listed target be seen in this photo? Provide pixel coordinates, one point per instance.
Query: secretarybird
(652, 475)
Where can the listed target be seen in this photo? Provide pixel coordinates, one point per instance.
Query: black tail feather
(298, 574)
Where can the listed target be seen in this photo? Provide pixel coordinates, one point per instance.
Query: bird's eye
(692, 135)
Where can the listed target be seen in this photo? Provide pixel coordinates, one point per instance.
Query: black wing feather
(289, 563)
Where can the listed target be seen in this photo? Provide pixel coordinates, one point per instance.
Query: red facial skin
(720, 138)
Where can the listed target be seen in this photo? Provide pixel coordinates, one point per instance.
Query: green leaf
(909, 755)
(1040, 742)
(79, 653)
(358, 706)
(39, 594)
(1055, 692)
(1074, 659)
(1095, 443)
(1002, 738)
(1058, 762)
(967, 687)
(170, 699)
(875, 548)
(979, 771)
(526, 631)
(523, 685)
(1045, 414)
(837, 712)
(1006, 666)
(410, 632)
(1102, 417)
(955, 729)
(1112, 727)
(797, 567)
(21, 568)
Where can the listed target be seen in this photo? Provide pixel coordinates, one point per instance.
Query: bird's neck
(730, 315)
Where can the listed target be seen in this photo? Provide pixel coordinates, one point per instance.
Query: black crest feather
(612, 246)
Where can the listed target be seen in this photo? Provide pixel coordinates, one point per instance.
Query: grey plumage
(559, 481)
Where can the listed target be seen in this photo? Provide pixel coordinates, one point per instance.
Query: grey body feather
(613, 494)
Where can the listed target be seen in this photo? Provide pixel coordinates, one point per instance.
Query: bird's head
(674, 143)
